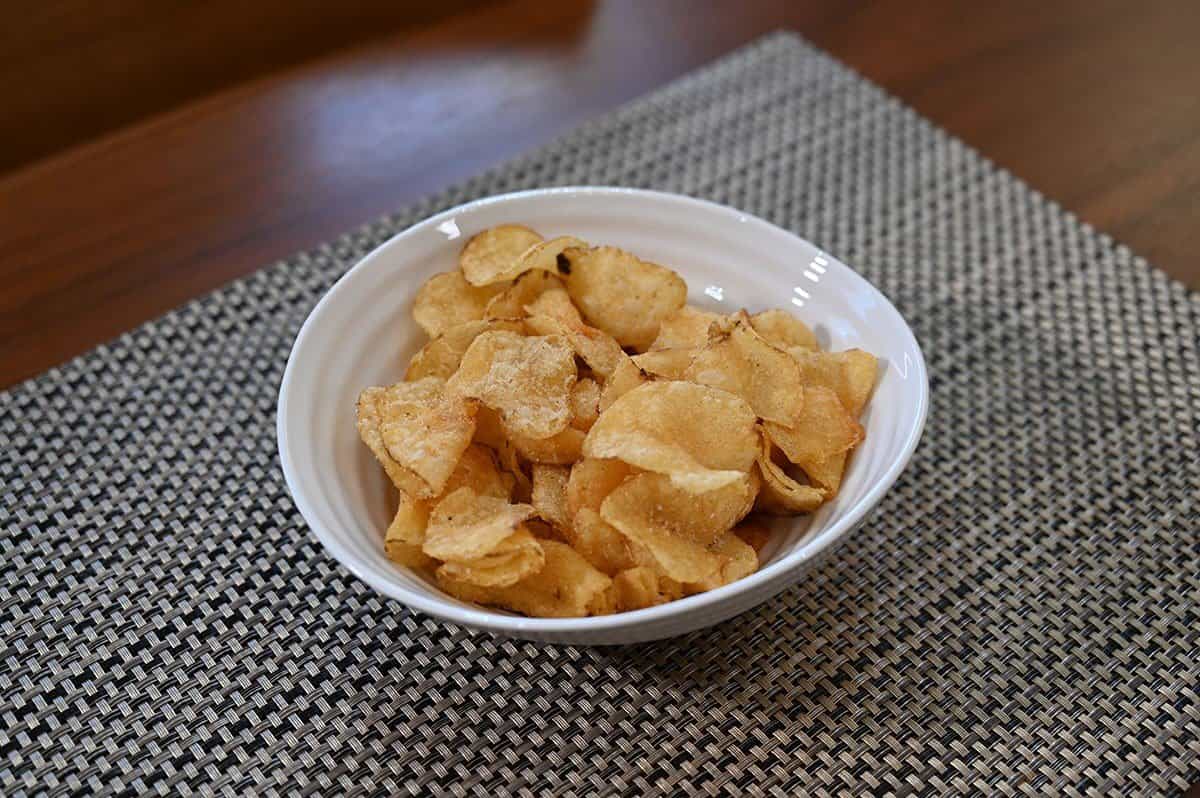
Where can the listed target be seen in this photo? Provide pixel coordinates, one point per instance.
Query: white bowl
(361, 333)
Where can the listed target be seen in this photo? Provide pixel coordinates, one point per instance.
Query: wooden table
(1096, 103)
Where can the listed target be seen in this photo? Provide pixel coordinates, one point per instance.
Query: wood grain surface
(1094, 103)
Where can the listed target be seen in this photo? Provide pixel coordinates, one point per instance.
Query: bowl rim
(482, 618)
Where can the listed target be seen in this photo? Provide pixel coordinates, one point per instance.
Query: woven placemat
(1019, 616)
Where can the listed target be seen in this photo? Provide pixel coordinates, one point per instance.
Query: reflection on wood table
(1093, 103)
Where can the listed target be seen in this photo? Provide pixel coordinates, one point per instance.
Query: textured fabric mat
(1019, 616)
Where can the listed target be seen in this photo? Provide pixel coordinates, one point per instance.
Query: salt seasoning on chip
(527, 379)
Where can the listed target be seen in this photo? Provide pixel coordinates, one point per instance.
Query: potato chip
(511, 302)
(528, 380)
(670, 364)
(643, 586)
(623, 295)
(850, 374)
(490, 433)
(685, 328)
(406, 535)
(592, 480)
(441, 356)
(585, 403)
(489, 257)
(514, 558)
(861, 370)
(466, 526)
(703, 438)
(370, 429)
(827, 473)
(780, 493)
(423, 429)
(556, 304)
(599, 542)
(562, 448)
(675, 526)
(545, 256)
(598, 349)
(478, 470)
(624, 378)
(739, 360)
(447, 300)
(544, 531)
(754, 533)
(738, 560)
(783, 330)
(822, 429)
(550, 494)
(698, 517)
(567, 586)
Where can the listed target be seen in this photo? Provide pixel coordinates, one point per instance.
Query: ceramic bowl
(362, 333)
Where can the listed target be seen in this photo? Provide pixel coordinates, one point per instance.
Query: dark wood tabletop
(1096, 104)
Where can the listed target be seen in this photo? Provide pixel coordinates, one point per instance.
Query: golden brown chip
(592, 480)
(478, 470)
(447, 300)
(783, 330)
(623, 295)
(528, 380)
(822, 429)
(514, 558)
(861, 370)
(755, 534)
(555, 304)
(827, 473)
(671, 364)
(562, 448)
(703, 438)
(738, 560)
(698, 517)
(441, 356)
(466, 526)
(370, 429)
(423, 429)
(675, 526)
(624, 378)
(597, 349)
(511, 302)
(598, 542)
(643, 586)
(739, 360)
(545, 256)
(567, 586)
(490, 432)
(780, 493)
(685, 328)
(489, 257)
(406, 535)
(850, 374)
(550, 494)
(585, 403)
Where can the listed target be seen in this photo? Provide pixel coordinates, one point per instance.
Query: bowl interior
(362, 334)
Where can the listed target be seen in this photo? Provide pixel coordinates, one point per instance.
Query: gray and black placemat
(1019, 617)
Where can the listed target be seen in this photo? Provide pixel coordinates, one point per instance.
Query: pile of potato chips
(577, 440)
